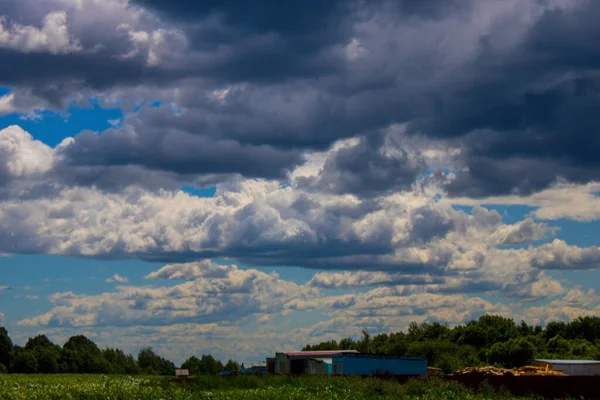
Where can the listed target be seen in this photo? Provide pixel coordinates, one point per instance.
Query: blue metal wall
(363, 364)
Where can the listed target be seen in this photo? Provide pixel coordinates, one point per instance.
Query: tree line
(489, 340)
(80, 355)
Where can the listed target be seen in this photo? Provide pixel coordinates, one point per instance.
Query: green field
(47, 387)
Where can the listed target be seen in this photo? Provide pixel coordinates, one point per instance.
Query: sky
(240, 178)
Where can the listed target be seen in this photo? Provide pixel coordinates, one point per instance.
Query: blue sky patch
(53, 127)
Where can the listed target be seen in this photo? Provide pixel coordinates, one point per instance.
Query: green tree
(347, 344)
(152, 364)
(6, 348)
(231, 366)
(120, 363)
(40, 341)
(582, 349)
(46, 353)
(209, 365)
(330, 345)
(524, 329)
(428, 349)
(511, 354)
(397, 344)
(24, 362)
(558, 346)
(587, 328)
(379, 343)
(448, 363)
(205, 365)
(492, 329)
(426, 331)
(554, 329)
(366, 341)
(193, 365)
(47, 360)
(81, 355)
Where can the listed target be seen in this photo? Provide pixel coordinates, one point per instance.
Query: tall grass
(88, 387)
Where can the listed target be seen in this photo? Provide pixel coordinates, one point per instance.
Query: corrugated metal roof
(315, 354)
(569, 361)
(363, 355)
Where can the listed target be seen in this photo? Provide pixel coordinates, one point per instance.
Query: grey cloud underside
(365, 169)
(291, 17)
(180, 153)
(118, 159)
(518, 95)
(536, 111)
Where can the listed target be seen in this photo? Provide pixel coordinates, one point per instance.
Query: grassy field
(49, 387)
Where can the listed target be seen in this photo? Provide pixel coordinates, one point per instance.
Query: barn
(371, 364)
(572, 367)
(306, 362)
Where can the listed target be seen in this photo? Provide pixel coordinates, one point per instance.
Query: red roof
(324, 353)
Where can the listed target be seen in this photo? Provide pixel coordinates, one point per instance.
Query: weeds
(117, 387)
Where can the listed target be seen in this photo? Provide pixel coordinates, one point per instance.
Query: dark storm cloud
(64, 74)
(365, 169)
(179, 153)
(269, 38)
(269, 41)
(521, 105)
(258, 16)
(530, 117)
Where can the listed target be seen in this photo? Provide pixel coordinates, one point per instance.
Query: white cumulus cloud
(116, 278)
(53, 36)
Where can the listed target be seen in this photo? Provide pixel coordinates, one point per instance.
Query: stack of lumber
(533, 370)
(493, 371)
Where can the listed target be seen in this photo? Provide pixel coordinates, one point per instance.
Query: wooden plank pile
(494, 371)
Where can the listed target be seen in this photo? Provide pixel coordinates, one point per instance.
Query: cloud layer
(511, 87)
(216, 303)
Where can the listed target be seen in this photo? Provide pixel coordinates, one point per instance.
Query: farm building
(182, 373)
(572, 367)
(271, 365)
(253, 368)
(306, 362)
(370, 364)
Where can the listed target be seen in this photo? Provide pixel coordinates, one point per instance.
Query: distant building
(182, 373)
(271, 365)
(572, 367)
(253, 368)
(371, 364)
(306, 362)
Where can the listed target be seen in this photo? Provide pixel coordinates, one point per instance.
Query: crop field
(114, 387)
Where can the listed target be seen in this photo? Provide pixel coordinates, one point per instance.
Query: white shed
(573, 367)
(182, 373)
